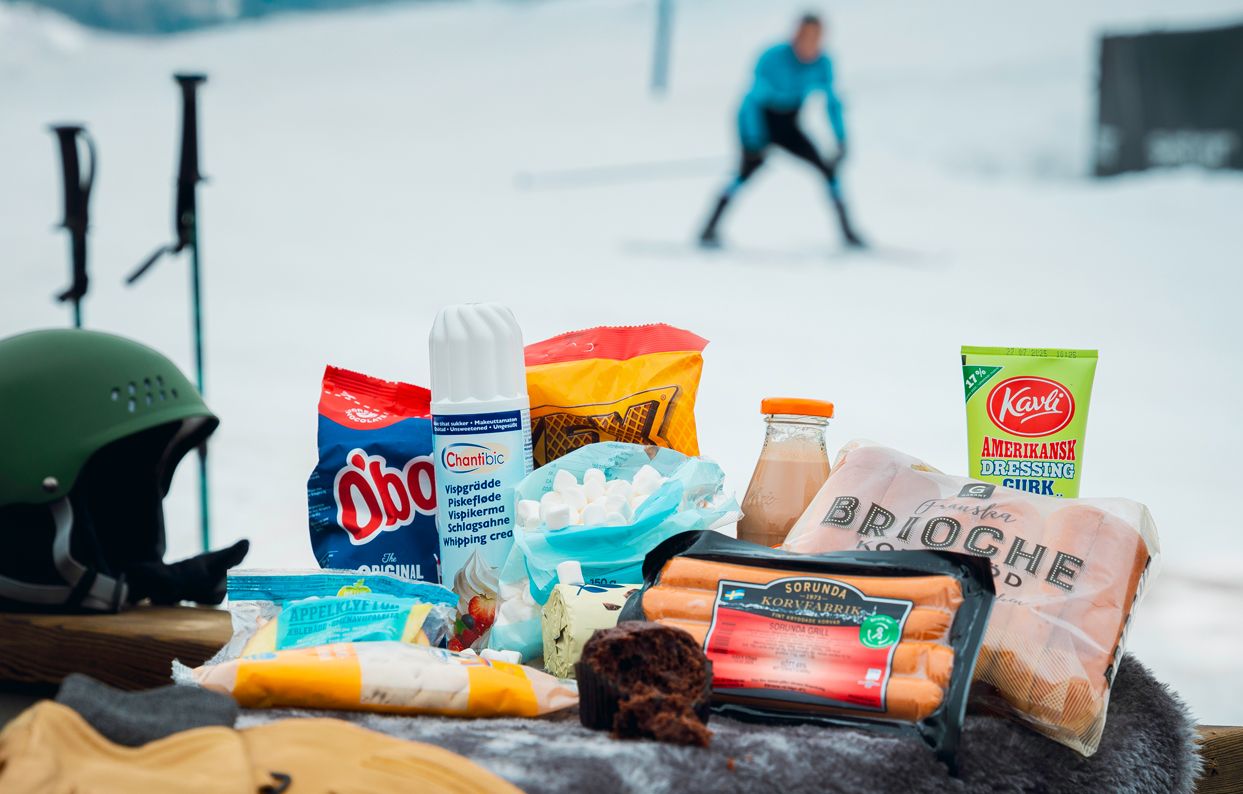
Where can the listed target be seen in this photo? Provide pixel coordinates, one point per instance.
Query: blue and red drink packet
(372, 498)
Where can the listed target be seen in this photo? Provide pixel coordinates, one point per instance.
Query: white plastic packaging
(481, 441)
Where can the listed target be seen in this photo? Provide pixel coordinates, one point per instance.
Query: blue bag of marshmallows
(372, 498)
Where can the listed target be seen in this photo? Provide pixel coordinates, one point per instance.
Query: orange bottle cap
(796, 406)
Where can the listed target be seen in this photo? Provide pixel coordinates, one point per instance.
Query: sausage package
(871, 640)
(1068, 573)
(372, 497)
(635, 384)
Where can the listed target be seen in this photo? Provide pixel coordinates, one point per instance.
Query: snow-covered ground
(364, 171)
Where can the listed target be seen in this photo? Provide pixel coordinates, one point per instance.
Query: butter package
(282, 610)
(1069, 574)
(634, 384)
(874, 640)
(570, 616)
(1027, 415)
(388, 677)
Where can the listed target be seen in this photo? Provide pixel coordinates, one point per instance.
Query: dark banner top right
(1171, 99)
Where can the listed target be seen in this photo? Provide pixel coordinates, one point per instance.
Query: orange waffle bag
(1068, 573)
(634, 384)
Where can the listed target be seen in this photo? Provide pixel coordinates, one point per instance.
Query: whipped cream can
(481, 445)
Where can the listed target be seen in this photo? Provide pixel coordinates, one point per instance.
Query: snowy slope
(363, 174)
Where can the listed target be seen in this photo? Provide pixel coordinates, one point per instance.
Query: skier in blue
(784, 76)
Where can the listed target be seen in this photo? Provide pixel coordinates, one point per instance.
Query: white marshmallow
(619, 506)
(646, 480)
(557, 516)
(617, 488)
(494, 655)
(569, 572)
(615, 519)
(467, 652)
(547, 502)
(575, 498)
(527, 513)
(593, 514)
(636, 501)
(563, 481)
(593, 484)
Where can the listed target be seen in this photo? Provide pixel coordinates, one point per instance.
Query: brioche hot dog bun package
(872, 640)
(1069, 574)
(635, 384)
(389, 677)
(281, 610)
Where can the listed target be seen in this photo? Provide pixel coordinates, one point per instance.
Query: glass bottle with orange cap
(793, 464)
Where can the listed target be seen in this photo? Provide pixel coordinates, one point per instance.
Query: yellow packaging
(391, 677)
(635, 384)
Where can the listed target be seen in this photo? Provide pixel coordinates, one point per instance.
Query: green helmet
(66, 394)
(92, 427)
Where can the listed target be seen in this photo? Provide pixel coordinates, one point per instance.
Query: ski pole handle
(188, 168)
(77, 193)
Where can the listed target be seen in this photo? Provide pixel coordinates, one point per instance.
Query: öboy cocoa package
(371, 498)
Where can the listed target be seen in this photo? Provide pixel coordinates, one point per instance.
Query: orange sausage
(906, 698)
(909, 696)
(933, 591)
(684, 603)
(932, 660)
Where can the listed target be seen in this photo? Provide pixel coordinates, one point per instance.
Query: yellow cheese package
(634, 384)
(390, 677)
(282, 610)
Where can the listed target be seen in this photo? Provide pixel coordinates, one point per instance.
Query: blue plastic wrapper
(372, 499)
(322, 607)
(692, 497)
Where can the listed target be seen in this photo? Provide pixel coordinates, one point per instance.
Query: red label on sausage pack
(809, 640)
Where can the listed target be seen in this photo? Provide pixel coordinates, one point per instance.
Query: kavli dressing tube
(1027, 412)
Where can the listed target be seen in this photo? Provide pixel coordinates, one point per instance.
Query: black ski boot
(708, 237)
(851, 239)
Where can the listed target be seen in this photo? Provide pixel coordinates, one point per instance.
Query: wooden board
(131, 650)
(1221, 747)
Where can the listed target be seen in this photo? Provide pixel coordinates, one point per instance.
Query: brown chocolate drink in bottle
(793, 464)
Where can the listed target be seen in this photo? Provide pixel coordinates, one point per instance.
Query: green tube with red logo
(1027, 413)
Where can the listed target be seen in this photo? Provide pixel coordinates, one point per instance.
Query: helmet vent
(152, 390)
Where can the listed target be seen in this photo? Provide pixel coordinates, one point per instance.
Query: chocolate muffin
(642, 679)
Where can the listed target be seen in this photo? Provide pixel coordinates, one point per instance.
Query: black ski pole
(77, 209)
(185, 226)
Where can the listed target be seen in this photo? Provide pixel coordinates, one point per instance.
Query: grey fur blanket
(1148, 747)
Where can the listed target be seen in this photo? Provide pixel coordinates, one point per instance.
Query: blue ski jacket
(782, 82)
